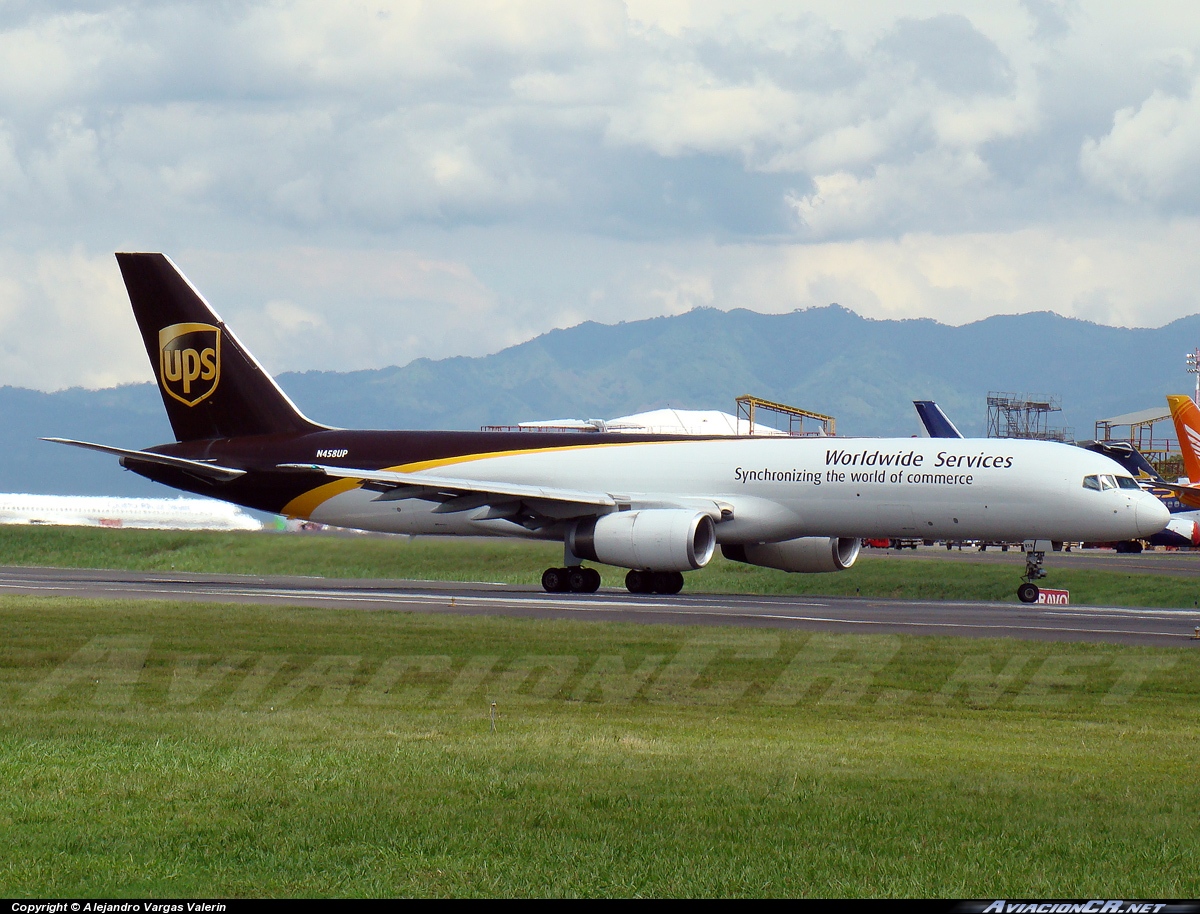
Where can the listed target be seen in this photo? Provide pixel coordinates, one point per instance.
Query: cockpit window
(1091, 482)
(1127, 482)
(1108, 482)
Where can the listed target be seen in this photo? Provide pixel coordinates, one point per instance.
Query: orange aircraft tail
(1186, 416)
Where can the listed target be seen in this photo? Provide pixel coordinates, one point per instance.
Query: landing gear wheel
(583, 580)
(1035, 557)
(555, 580)
(667, 582)
(576, 580)
(638, 582)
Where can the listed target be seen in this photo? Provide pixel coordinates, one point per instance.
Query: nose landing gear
(1035, 555)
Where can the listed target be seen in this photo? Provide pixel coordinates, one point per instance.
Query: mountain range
(829, 360)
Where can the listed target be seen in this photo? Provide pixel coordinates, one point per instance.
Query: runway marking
(707, 607)
(388, 597)
(612, 607)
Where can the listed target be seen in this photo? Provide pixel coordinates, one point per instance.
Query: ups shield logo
(189, 361)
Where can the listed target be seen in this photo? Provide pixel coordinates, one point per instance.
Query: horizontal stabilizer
(196, 467)
(451, 485)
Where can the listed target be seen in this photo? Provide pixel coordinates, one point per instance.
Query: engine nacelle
(1178, 532)
(808, 554)
(656, 539)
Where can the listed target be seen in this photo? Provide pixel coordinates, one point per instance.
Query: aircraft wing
(456, 494)
(199, 468)
(1189, 495)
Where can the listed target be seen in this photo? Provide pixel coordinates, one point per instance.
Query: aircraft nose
(1151, 515)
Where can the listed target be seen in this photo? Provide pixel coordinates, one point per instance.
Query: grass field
(517, 562)
(165, 750)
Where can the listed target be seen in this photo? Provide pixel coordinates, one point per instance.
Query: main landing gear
(1035, 555)
(575, 579)
(654, 581)
(578, 579)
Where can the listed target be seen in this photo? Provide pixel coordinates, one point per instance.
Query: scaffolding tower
(747, 406)
(1141, 425)
(1024, 416)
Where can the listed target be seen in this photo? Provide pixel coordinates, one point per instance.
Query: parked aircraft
(1186, 416)
(137, 513)
(936, 422)
(1181, 499)
(658, 505)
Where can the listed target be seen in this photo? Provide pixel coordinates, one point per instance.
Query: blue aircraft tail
(935, 421)
(1128, 456)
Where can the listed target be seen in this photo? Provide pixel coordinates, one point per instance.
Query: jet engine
(1178, 532)
(656, 539)
(808, 554)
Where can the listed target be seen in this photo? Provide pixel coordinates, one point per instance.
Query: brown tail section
(211, 386)
(1186, 416)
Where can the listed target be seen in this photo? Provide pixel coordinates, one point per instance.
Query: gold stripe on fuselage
(304, 505)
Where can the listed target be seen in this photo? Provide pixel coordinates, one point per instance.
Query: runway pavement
(1177, 563)
(831, 614)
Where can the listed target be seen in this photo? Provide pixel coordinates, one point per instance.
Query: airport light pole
(1193, 362)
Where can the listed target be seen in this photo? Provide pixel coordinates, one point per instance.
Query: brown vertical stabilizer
(211, 386)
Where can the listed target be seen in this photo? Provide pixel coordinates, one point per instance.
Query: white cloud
(371, 115)
(843, 204)
(367, 182)
(54, 58)
(1144, 278)
(685, 109)
(12, 177)
(1152, 153)
(310, 308)
(65, 321)
(675, 291)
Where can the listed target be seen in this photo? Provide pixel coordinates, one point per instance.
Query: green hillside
(864, 372)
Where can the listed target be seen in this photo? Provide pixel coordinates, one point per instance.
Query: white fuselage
(772, 489)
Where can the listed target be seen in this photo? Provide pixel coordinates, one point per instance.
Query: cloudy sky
(355, 185)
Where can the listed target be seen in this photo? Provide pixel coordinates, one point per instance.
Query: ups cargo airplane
(658, 505)
(1182, 529)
